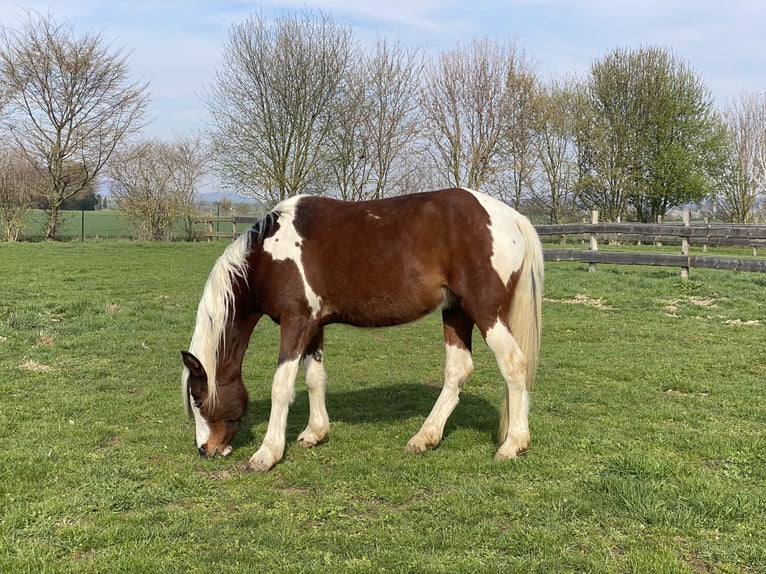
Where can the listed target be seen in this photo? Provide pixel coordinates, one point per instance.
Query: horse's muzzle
(222, 451)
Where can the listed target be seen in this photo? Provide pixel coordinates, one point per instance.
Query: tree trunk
(53, 223)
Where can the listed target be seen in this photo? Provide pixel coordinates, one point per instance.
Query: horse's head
(217, 420)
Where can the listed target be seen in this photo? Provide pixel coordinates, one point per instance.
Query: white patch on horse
(286, 245)
(507, 241)
(201, 427)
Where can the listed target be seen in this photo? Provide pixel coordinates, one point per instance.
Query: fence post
(658, 239)
(704, 245)
(593, 240)
(685, 245)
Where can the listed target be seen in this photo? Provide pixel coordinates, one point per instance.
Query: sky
(176, 45)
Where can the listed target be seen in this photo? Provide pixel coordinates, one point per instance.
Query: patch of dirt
(45, 339)
(673, 306)
(676, 393)
(582, 299)
(35, 367)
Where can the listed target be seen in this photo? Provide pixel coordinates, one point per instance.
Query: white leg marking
(282, 395)
(513, 366)
(457, 369)
(319, 423)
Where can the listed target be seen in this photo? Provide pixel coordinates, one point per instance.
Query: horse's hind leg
(319, 423)
(514, 428)
(458, 367)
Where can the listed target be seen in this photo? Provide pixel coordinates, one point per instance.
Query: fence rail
(657, 259)
(753, 236)
(211, 233)
(699, 234)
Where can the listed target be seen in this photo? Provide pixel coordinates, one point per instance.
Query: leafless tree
(374, 133)
(192, 161)
(471, 101)
(19, 183)
(70, 103)
(271, 103)
(154, 182)
(744, 181)
(518, 161)
(554, 149)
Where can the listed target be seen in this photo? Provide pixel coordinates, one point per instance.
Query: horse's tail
(525, 318)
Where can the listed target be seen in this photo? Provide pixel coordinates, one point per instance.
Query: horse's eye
(198, 404)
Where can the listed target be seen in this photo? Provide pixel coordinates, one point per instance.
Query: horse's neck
(232, 348)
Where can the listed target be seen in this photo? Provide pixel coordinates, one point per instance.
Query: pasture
(105, 224)
(647, 418)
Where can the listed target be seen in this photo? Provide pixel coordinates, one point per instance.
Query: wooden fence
(211, 229)
(750, 236)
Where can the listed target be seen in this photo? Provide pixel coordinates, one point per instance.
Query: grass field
(108, 224)
(648, 415)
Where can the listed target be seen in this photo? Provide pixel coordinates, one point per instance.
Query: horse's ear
(193, 364)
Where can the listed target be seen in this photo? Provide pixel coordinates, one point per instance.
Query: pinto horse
(313, 261)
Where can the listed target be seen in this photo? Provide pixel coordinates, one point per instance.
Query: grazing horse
(313, 261)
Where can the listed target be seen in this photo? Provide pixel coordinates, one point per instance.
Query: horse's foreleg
(458, 367)
(514, 427)
(282, 395)
(318, 427)
(295, 333)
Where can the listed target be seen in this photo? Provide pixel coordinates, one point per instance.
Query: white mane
(213, 314)
(215, 304)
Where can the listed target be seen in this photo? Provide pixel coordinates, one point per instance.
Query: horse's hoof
(257, 467)
(415, 448)
(258, 464)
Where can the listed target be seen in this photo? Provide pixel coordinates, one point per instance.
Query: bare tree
(71, 104)
(471, 100)
(744, 181)
(19, 183)
(271, 102)
(554, 149)
(376, 122)
(518, 160)
(350, 166)
(154, 182)
(192, 161)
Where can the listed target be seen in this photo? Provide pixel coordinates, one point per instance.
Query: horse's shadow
(381, 404)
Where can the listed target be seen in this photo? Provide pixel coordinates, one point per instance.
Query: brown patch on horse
(411, 261)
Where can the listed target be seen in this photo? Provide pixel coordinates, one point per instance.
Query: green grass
(72, 226)
(76, 225)
(648, 451)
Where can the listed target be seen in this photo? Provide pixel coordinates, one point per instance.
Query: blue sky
(176, 44)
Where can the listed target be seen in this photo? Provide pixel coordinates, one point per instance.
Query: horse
(313, 261)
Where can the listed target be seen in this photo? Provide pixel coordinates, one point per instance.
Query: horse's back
(395, 260)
